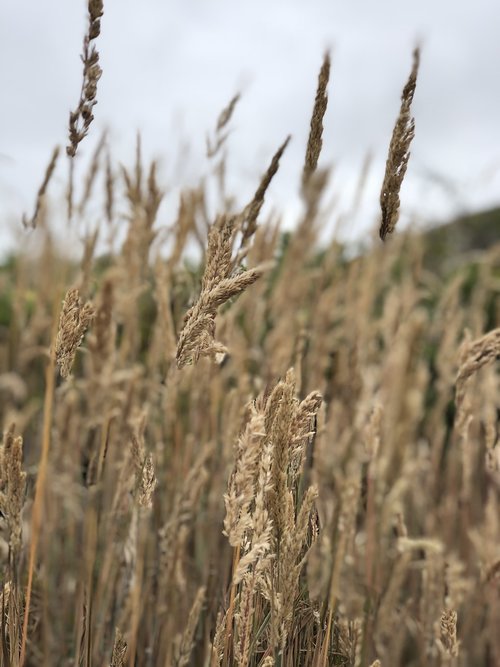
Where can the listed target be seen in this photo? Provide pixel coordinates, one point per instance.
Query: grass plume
(81, 119)
(399, 155)
(315, 140)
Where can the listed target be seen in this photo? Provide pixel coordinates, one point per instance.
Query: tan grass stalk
(184, 644)
(399, 154)
(243, 621)
(109, 190)
(373, 436)
(315, 141)
(268, 661)
(228, 635)
(12, 487)
(101, 342)
(248, 221)
(119, 650)
(292, 556)
(473, 356)
(137, 588)
(89, 248)
(164, 343)
(279, 416)
(227, 113)
(361, 184)
(303, 431)
(222, 122)
(37, 510)
(350, 499)
(241, 491)
(70, 190)
(90, 178)
(175, 532)
(447, 641)
(145, 478)
(40, 197)
(217, 649)
(73, 323)
(81, 119)
(219, 284)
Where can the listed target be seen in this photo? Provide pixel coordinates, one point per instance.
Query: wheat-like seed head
(399, 154)
(73, 323)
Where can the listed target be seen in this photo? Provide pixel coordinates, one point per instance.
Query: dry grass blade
(222, 122)
(185, 642)
(109, 190)
(315, 141)
(399, 154)
(40, 197)
(252, 210)
(81, 119)
(92, 172)
(226, 114)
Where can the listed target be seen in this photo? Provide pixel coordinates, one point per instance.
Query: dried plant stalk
(241, 491)
(90, 178)
(315, 141)
(12, 486)
(249, 216)
(81, 119)
(184, 643)
(145, 477)
(73, 323)
(40, 197)
(447, 641)
(119, 650)
(219, 284)
(109, 190)
(222, 122)
(399, 154)
(473, 357)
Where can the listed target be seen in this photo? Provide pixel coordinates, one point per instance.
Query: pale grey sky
(171, 65)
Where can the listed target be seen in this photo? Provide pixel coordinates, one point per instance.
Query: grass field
(282, 454)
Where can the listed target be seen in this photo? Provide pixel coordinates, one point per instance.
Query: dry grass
(315, 141)
(399, 154)
(42, 191)
(81, 119)
(325, 493)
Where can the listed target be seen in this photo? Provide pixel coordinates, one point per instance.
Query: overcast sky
(170, 66)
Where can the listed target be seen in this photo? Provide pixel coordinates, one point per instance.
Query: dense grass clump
(282, 455)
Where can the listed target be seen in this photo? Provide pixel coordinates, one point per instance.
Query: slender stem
(230, 611)
(40, 485)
